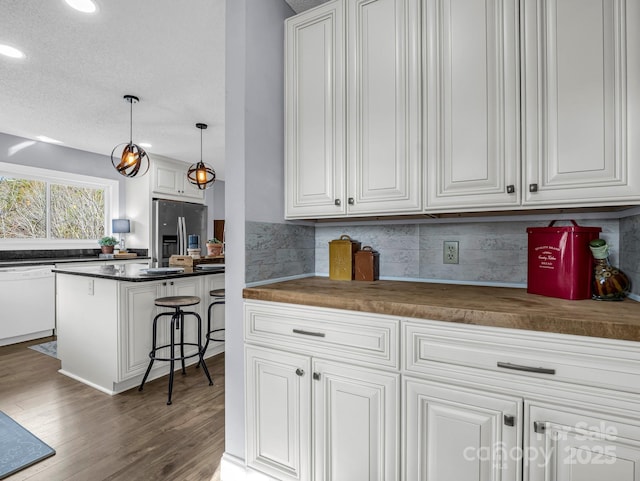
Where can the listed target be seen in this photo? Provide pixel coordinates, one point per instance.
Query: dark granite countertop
(135, 272)
(47, 257)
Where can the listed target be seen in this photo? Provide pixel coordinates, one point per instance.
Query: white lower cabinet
(459, 434)
(328, 392)
(566, 444)
(349, 414)
(314, 411)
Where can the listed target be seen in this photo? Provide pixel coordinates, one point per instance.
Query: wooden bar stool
(177, 324)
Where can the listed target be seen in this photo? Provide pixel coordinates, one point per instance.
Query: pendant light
(200, 174)
(130, 160)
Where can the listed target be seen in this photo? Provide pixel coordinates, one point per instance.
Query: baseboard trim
(233, 468)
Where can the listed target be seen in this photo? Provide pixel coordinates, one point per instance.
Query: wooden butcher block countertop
(486, 306)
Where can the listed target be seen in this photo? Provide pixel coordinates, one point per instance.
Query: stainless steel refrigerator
(173, 225)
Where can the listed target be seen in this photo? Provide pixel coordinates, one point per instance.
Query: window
(50, 208)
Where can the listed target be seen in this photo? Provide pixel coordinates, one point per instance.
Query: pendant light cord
(131, 121)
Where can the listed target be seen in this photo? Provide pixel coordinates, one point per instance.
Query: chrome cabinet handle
(337, 202)
(300, 372)
(511, 189)
(351, 201)
(519, 367)
(533, 187)
(316, 376)
(308, 333)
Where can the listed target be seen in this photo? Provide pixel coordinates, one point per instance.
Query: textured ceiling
(78, 67)
(302, 5)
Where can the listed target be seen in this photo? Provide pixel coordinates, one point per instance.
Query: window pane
(22, 208)
(76, 212)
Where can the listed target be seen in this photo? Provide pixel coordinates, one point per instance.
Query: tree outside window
(37, 209)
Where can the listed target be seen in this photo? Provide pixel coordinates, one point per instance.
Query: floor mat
(18, 447)
(49, 348)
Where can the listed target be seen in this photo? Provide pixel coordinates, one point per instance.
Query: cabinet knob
(511, 189)
(300, 372)
(337, 202)
(351, 201)
(533, 187)
(316, 376)
(171, 283)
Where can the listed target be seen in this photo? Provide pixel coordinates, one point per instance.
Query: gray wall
(60, 158)
(254, 154)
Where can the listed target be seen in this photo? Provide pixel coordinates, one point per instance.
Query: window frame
(49, 176)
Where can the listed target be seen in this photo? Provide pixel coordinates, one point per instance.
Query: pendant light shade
(130, 159)
(200, 174)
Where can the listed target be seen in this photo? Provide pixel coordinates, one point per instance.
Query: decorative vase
(609, 283)
(214, 249)
(107, 249)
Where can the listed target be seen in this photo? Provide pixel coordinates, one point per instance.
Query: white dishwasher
(28, 303)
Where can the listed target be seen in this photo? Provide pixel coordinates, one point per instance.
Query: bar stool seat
(177, 323)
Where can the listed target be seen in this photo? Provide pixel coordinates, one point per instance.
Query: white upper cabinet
(471, 103)
(353, 110)
(383, 106)
(462, 105)
(580, 101)
(315, 156)
(169, 180)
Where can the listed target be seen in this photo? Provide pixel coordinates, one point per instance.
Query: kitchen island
(104, 319)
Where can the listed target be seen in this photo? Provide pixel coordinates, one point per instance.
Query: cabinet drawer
(582, 360)
(359, 337)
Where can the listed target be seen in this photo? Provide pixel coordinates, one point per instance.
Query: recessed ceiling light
(10, 51)
(146, 145)
(84, 6)
(44, 138)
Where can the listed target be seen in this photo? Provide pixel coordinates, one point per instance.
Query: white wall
(254, 155)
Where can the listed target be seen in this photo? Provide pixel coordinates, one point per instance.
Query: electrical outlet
(450, 252)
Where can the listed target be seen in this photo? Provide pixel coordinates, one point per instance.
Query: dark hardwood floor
(130, 436)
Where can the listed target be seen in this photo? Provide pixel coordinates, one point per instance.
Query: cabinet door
(356, 423)
(314, 91)
(459, 434)
(471, 104)
(136, 320)
(580, 101)
(278, 402)
(167, 179)
(565, 444)
(383, 111)
(170, 178)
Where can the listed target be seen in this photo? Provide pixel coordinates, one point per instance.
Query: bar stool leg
(152, 353)
(174, 318)
(181, 327)
(202, 350)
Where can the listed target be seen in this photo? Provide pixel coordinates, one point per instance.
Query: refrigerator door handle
(182, 236)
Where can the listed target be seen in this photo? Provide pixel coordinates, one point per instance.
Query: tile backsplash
(489, 252)
(273, 251)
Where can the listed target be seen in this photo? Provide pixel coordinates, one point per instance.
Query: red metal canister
(559, 261)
